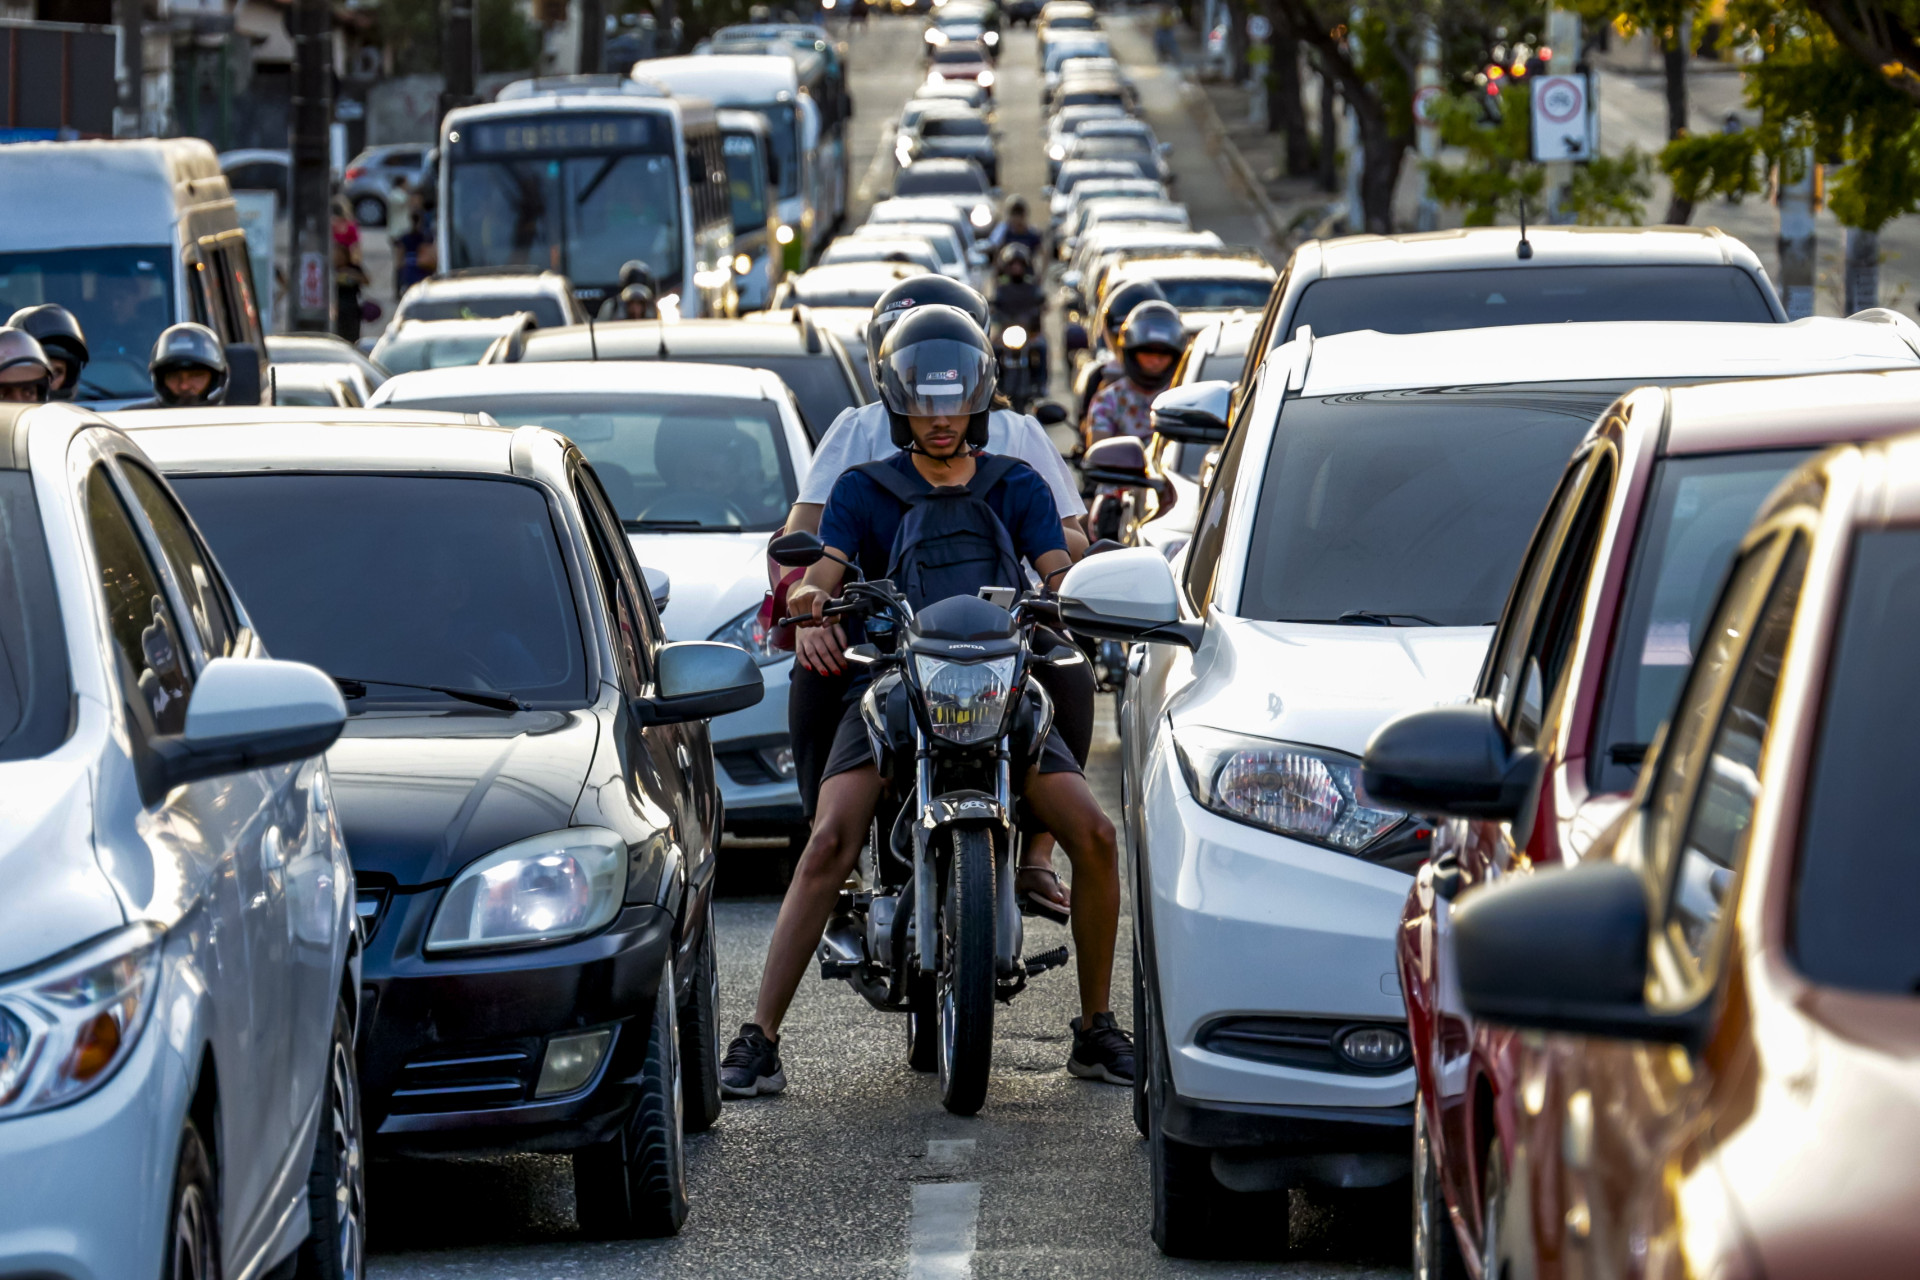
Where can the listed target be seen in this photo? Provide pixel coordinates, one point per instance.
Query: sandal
(1033, 902)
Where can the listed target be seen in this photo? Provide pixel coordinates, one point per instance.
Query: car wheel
(1194, 1216)
(370, 211)
(1493, 1201)
(700, 1034)
(1436, 1246)
(336, 1245)
(635, 1183)
(193, 1240)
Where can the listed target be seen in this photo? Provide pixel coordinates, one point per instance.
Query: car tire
(700, 1033)
(1140, 1023)
(634, 1184)
(1194, 1216)
(336, 1244)
(1436, 1245)
(370, 211)
(193, 1221)
(1493, 1202)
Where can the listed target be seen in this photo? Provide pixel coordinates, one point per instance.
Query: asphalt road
(856, 1171)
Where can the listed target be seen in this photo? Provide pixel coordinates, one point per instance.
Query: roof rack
(609, 82)
(803, 320)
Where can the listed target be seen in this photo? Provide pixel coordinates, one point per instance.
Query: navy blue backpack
(950, 542)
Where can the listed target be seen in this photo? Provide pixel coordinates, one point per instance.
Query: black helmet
(1152, 326)
(918, 291)
(59, 336)
(1017, 207)
(937, 361)
(189, 346)
(636, 271)
(1121, 302)
(21, 351)
(638, 293)
(1014, 253)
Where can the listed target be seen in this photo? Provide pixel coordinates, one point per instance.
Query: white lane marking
(949, 1150)
(941, 1230)
(877, 169)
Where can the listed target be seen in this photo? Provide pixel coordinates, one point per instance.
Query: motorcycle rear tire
(967, 975)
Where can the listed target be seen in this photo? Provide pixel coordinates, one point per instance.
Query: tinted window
(955, 127)
(951, 56)
(1415, 504)
(1429, 301)
(1857, 891)
(1190, 294)
(1071, 174)
(123, 298)
(547, 312)
(944, 181)
(408, 352)
(746, 182)
(1698, 511)
(1222, 366)
(33, 652)
(437, 580)
(148, 657)
(670, 463)
(198, 581)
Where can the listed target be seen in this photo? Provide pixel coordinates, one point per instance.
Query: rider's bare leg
(1038, 856)
(1065, 803)
(840, 824)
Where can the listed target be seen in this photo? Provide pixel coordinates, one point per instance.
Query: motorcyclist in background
(1015, 229)
(58, 333)
(1150, 346)
(1106, 367)
(189, 368)
(1017, 295)
(26, 375)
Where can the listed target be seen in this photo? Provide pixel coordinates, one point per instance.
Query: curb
(1222, 147)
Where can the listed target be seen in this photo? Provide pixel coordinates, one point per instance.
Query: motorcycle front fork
(1009, 929)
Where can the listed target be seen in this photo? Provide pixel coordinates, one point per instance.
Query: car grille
(472, 1079)
(1307, 1043)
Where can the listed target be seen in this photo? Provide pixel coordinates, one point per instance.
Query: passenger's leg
(1065, 803)
(815, 703)
(1073, 691)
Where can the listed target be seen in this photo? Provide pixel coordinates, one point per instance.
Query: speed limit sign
(1562, 111)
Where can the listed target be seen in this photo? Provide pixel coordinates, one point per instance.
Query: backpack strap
(990, 472)
(907, 489)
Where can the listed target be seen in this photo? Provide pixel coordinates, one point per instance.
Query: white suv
(1352, 550)
(178, 958)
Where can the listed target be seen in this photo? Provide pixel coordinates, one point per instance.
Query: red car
(964, 60)
(1596, 638)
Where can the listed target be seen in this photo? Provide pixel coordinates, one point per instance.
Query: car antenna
(593, 342)
(662, 353)
(1525, 248)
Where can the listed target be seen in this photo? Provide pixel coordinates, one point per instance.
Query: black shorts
(851, 750)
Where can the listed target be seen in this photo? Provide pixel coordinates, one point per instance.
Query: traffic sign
(1562, 118)
(1258, 28)
(313, 282)
(1424, 101)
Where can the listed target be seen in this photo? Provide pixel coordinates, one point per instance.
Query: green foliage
(1611, 191)
(411, 28)
(1706, 166)
(508, 42)
(1499, 173)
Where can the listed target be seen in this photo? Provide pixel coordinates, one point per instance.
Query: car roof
(922, 209)
(1616, 351)
(426, 329)
(668, 377)
(333, 440)
(943, 164)
(1827, 409)
(904, 227)
(858, 272)
(1470, 248)
(1193, 268)
(628, 339)
(252, 416)
(1103, 126)
(470, 284)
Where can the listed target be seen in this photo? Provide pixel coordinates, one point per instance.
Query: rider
(26, 375)
(938, 438)
(1105, 367)
(1151, 342)
(637, 303)
(1014, 228)
(58, 333)
(1017, 296)
(189, 369)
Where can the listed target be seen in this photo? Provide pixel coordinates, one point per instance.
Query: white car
(179, 966)
(1358, 539)
(702, 463)
(874, 248)
(946, 243)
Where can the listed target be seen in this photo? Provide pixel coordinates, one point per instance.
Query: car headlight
(990, 39)
(543, 889)
(65, 1029)
(981, 216)
(1308, 793)
(966, 701)
(742, 264)
(1056, 152)
(984, 79)
(1014, 336)
(749, 633)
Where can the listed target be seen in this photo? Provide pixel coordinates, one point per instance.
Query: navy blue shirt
(861, 518)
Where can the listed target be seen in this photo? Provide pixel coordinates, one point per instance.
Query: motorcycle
(1123, 492)
(933, 929)
(1022, 351)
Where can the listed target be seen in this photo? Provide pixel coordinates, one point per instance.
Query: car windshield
(946, 180)
(406, 352)
(122, 296)
(33, 650)
(1408, 506)
(746, 183)
(1698, 511)
(546, 309)
(955, 127)
(1234, 291)
(1072, 174)
(874, 249)
(1106, 146)
(839, 291)
(1430, 301)
(421, 580)
(670, 463)
(583, 216)
(951, 55)
(1858, 884)
(944, 246)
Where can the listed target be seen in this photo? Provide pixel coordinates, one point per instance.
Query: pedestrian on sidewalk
(1166, 46)
(349, 272)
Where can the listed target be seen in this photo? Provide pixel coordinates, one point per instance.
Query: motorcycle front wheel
(964, 985)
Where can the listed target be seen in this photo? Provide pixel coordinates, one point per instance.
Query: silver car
(179, 965)
(372, 179)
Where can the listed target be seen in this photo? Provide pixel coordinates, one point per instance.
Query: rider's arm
(805, 517)
(817, 587)
(1076, 538)
(1053, 566)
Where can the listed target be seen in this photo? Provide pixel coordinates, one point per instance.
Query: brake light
(355, 173)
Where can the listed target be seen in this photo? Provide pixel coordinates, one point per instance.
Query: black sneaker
(752, 1065)
(1101, 1051)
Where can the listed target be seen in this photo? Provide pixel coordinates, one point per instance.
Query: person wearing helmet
(1019, 314)
(1014, 228)
(59, 335)
(1151, 342)
(189, 368)
(1105, 368)
(26, 375)
(938, 377)
(636, 303)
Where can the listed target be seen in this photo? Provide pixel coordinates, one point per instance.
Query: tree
(1669, 23)
(1500, 176)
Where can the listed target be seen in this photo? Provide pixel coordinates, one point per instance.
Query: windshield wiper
(1368, 618)
(354, 687)
(667, 524)
(1628, 752)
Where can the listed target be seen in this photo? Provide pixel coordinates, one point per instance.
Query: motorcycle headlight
(966, 701)
(981, 216)
(543, 889)
(66, 1029)
(749, 633)
(742, 264)
(1308, 793)
(986, 79)
(1014, 336)
(990, 39)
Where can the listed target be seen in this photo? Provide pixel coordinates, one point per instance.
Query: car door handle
(681, 754)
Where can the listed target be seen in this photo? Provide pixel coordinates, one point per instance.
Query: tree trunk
(1675, 59)
(1329, 131)
(1799, 246)
(1863, 269)
(1382, 153)
(1286, 113)
(1237, 39)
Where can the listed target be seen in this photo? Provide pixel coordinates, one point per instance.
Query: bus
(582, 174)
(821, 65)
(748, 146)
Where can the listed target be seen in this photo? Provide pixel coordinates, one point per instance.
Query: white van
(131, 237)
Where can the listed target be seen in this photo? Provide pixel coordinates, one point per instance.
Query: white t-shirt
(864, 434)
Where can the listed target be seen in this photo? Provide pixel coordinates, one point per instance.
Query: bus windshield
(746, 183)
(524, 194)
(782, 125)
(122, 296)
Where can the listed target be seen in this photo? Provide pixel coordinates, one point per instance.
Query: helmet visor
(938, 377)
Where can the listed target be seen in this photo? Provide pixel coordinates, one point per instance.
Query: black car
(525, 785)
(957, 134)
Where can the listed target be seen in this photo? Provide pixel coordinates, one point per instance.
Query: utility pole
(311, 307)
(593, 35)
(1797, 199)
(459, 57)
(129, 86)
(1563, 38)
(1426, 94)
(1863, 269)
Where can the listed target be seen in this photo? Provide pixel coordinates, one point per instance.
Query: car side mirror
(699, 679)
(244, 382)
(797, 550)
(1454, 761)
(659, 586)
(1563, 950)
(247, 713)
(1049, 412)
(1193, 414)
(1126, 595)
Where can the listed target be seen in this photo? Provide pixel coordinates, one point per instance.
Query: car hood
(421, 794)
(57, 895)
(1329, 686)
(713, 577)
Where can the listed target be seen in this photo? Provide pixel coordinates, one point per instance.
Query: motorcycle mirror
(796, 550)
(1048, 412)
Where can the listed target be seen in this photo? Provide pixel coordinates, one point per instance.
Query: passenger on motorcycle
(58, 332)
(938, 377)
(1151, 343)
(1014, 228)
(1106, 367)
